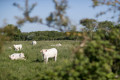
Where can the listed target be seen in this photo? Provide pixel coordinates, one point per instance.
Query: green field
(33, 66)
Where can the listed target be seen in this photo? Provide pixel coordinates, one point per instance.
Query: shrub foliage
(96, 58)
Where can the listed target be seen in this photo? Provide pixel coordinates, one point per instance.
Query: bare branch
(18, 6)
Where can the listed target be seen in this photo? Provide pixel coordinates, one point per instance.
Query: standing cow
(49, 53)
(17, 47)
(34, 42)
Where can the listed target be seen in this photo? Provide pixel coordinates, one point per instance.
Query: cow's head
(22, 55)
(14, 45)
(11, 57)
(43, 50)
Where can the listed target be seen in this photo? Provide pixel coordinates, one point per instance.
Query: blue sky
(78, 9)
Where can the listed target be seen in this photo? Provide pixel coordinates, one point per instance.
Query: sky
(77, 10)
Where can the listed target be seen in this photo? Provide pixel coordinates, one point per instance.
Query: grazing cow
(57, 45)
(34, 42)
(17, 47)
(17, 56)
(49, 53)
(10, 47)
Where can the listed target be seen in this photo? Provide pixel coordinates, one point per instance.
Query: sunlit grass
(33, 65)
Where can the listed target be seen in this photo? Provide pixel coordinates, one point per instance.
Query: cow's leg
(46, 60)
(55, 58)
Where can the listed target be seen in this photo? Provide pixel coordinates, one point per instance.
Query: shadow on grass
(37, 60)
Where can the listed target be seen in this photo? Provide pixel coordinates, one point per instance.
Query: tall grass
(33, 66)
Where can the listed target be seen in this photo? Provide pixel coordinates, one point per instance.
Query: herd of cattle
(46, 53)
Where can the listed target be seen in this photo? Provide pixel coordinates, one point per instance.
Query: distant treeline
(45, 35)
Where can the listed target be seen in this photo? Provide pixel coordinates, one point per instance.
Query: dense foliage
(46, 35)
(96, 58)
(7, 33)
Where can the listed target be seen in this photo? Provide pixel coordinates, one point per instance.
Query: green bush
(98, 59)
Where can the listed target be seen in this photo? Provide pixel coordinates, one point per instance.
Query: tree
(7, 33)
(58, 19)
(106, 25)
(113, 7)
(2, 38)
(26, 12)
(10, 31)
(90, 24)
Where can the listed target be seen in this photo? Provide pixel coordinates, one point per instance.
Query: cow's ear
(41, 51)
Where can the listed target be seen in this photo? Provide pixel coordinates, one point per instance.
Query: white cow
(57, 45)
(10, 47)
(17, 47)
(16, 56)
(34, 42)
(49, 53)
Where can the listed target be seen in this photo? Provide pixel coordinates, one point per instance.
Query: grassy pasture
(33, 66)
